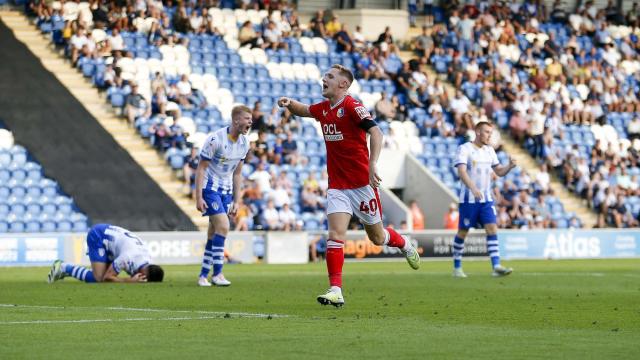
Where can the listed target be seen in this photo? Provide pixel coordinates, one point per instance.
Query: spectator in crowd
(317, 25)
(272, 37)
(417, 216)
(271, 217)
(248, 36)
(244, 217)
(136, 105)
(287, 218)
(385, 109)
(451, 217)
(344, 43)
(333, 27)
(189, 171)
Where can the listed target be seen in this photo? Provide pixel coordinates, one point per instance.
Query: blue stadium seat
(49, 187)
(64, 226)
(5, 192)
(32, 225)
(32, 205)
(16, 226)
(5, 209)
(47, 224)
(5, 158)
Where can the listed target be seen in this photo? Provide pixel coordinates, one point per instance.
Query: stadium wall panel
(106, 183)
(373, 21)
(187, 247)
(431, 194)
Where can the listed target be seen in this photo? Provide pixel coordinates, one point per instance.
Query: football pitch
(547, 309)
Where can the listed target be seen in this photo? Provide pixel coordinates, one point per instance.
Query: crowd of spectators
(553, 81)
(545, 74)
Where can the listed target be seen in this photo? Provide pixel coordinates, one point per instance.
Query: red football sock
(395, 239)
(335, 260)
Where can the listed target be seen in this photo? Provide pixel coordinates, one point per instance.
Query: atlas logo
(331, 132)
(340, 112)
(566, 245)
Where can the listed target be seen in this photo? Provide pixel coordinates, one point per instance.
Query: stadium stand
(189, 68)
(74, 148)
(565, 86)
(29, 201)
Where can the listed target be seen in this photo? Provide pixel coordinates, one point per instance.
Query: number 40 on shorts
(372, 207)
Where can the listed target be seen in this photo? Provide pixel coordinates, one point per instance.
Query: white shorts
(364, 202)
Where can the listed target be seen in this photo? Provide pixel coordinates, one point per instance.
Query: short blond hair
(481, 124)
(344, 71)
(239, 109)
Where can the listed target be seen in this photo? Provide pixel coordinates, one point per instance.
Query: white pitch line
(594, 274)
(82, 321)
(214, 314)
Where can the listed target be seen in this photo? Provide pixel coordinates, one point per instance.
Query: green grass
(546, 309)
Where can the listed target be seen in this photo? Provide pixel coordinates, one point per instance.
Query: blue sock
(493, 249)
(458, 247)
(218, 253)
(207, 259)
(79, 272)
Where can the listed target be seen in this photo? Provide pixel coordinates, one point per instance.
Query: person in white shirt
(116, 42)
(218, 192)
(280, 196)
(271, 217)
(542, 178)
(287, 218)
(476, 163)
(78, 41)
(262, 177)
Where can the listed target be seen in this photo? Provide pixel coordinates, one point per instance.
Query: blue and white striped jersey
(223, 155)
(480, 163)
(126, 251)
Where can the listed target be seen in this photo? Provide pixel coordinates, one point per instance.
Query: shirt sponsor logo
(337, 137)
(331, 132)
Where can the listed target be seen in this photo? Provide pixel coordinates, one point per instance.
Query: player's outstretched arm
(297, 108)
(502, 170)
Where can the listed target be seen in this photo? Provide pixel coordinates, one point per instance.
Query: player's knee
(462, 234)
(491, 229)
(337, 235)
(222, 229)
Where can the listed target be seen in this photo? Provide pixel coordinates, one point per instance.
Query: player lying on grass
(353, 177)
(111, 250)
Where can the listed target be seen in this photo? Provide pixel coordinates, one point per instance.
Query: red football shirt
(346, 142)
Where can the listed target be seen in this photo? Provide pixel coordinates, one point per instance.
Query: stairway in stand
(126, 136)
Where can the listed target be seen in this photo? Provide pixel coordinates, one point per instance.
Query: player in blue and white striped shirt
(111, 250)
(218, 180)
(476, 163)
